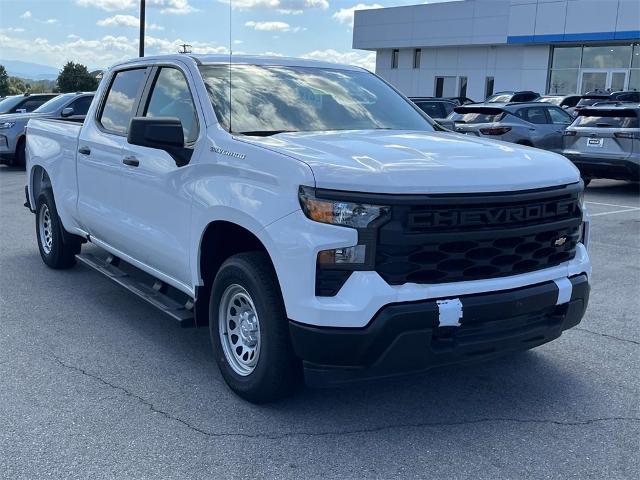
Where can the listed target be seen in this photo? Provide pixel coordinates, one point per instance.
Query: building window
(417, 53)
(462, 88)
(445, 87)
(488, 87)
(394, 57)
(584, 68)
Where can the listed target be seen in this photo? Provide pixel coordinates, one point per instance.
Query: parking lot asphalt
(95, 383)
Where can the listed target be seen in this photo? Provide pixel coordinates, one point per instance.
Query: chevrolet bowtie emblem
(560, 241)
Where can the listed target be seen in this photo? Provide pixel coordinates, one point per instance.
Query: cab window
(120, 104)
(171, 97)
(81, 105)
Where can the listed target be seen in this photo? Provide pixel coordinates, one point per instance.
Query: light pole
(142, 22)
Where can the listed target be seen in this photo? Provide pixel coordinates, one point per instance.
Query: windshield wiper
(264, 133)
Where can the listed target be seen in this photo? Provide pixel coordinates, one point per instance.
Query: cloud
(108, 5)
(48, 21)
(12, 29)
(362, 59)
(96, 52)
(293, 7)
(175, 7)
(345, 15)
(271, 26)
(26, 14)
(126, 21)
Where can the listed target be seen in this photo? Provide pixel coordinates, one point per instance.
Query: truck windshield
(271, 99)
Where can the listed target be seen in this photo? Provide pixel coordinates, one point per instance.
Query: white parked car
(312, 217)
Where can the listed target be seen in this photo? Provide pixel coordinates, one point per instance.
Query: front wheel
(249, 330)
(56, 249)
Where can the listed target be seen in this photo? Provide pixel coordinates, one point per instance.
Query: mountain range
(33, 71)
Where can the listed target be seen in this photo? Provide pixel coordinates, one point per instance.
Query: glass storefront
(580, 69)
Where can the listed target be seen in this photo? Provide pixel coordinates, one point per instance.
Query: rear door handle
(131, 161)
(84, 150)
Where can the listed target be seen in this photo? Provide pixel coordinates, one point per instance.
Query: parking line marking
(610, 205)
(614, 211)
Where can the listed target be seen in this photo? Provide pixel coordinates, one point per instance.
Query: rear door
(158, 204)
(542, 132)
(560, 120)
(99, 163)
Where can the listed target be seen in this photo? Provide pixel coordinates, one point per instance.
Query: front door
(603, 80)
(154, 189)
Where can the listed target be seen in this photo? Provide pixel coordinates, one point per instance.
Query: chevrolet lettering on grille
(496, 216)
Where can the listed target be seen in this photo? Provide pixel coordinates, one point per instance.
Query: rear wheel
(249, 330)
(586, 181)
(57, 247)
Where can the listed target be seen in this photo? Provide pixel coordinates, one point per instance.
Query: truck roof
(202, 59)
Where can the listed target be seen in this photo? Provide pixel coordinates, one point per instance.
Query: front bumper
(617, 169)
(407, 337)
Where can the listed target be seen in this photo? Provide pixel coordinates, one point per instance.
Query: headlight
(335, 212)
(5, 125)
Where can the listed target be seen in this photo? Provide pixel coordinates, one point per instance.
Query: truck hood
(420, 162)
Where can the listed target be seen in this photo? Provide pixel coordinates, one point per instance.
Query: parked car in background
(564, 101)
(591, 98)
(24, 103)
(461, 100)
(437, 108)
(604, 142)
(512, 97)
(70, 106)
(534, 124)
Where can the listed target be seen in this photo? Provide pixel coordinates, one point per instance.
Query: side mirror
(448, 124)
(162, 133)
(66, 112)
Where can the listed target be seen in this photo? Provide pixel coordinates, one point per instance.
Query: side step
(155, 294)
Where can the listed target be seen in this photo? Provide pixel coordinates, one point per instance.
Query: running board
(154, 294)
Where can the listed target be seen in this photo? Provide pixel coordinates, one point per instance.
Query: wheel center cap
(248, 329)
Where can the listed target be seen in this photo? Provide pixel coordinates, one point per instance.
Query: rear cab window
(122, 99)
(432, 109)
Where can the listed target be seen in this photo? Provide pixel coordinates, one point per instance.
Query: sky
(98, 33)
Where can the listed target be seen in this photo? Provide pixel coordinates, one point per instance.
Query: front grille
(439, 239)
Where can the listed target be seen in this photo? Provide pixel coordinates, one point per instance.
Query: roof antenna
(230, 53)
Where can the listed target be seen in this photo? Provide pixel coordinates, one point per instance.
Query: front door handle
(84, 150)
(131, 161)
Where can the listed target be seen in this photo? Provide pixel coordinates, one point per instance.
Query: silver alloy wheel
(239, 329)
(45, 229)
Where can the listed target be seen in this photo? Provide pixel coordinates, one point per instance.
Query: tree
(4, 82)
(74, 77)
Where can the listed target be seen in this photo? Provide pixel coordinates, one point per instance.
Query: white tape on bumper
(449, 312)
(565, 287)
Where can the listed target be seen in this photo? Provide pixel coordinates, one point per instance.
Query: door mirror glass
(162, 133)
(66, 112)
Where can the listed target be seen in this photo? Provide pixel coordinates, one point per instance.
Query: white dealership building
(476, 47)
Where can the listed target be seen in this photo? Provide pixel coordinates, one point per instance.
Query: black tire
(20, 159)
(60, 254)
(586, 181)
(277, 372)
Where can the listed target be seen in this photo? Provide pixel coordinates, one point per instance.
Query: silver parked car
(70, 106)
(604, 142)
(534, 124)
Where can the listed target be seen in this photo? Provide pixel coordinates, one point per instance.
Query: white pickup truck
(312, 217)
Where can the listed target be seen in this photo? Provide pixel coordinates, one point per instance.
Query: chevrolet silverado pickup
(311, 216)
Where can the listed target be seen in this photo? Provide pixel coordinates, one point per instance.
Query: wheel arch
(220, 240)
(38, 180)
